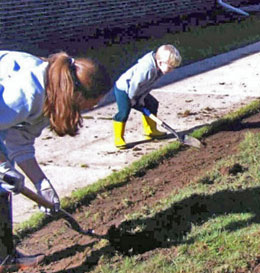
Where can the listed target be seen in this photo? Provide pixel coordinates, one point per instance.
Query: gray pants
(6, 228)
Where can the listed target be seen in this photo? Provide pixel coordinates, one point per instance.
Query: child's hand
(138, 101)
(141, 101)
(133, 102)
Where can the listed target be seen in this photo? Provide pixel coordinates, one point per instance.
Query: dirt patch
(68, 251)
(191, 96)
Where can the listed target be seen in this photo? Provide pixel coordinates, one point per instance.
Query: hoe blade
(191, 141)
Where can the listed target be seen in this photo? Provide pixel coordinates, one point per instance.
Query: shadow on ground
(167, 228)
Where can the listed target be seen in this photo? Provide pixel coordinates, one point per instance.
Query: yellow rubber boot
(150, 130)
(119, 131)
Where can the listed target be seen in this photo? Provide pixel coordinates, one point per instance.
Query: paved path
(205, 90)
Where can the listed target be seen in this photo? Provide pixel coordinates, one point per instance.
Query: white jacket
(22, 94)
(138, 80)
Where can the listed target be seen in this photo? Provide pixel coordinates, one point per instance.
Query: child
(132, 90)
(34, 93)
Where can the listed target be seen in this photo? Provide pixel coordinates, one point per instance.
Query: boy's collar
(155, 62)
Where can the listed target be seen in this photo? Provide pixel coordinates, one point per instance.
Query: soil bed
(68, 251)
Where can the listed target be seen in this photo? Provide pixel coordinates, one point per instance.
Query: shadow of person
(69, 251)
(131, 145)
(90, 261)
(169, 227)
(167, 136)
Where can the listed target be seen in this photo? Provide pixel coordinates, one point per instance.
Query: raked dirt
(191, 96)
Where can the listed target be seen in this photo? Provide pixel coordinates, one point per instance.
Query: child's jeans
(124, 105)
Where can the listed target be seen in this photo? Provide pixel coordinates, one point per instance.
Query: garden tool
(45, 203)
(184, 139)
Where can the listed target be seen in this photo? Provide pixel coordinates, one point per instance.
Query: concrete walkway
(191, 96)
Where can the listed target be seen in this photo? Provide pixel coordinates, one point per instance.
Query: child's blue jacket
(138, 80)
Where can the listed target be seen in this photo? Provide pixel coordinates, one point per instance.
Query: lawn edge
(85, 195)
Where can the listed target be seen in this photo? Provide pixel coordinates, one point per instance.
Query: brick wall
(41, 22)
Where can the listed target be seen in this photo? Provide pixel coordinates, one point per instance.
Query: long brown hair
(65, 77)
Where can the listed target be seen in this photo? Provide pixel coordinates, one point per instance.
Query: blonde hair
(168, 54)
(65, 78)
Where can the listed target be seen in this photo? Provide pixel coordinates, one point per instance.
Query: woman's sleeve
(13, 104)
(19, 140)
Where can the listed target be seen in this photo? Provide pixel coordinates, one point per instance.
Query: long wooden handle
(27, 192)
(154, 118)
(36, 198)
(164, 125)
(45, 203)
(187, 140)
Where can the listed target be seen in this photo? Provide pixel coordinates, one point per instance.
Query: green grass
(137, 168)
(221, 220)
(214, 241)
(196, 44)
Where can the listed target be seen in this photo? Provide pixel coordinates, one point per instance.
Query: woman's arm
(43, 186)
(32, 170)
(20, 145)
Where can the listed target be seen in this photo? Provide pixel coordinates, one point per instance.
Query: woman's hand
(16, 178)
(43, 186)
(47, 191)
